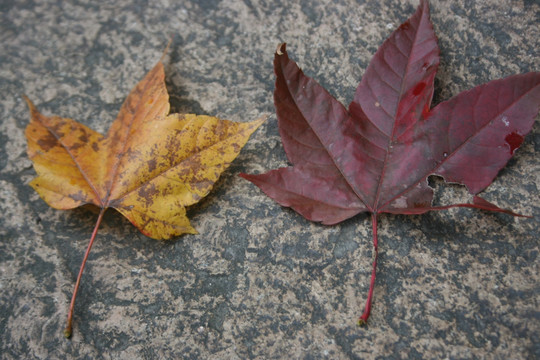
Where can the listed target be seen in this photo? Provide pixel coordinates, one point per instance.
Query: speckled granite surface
(259, 282)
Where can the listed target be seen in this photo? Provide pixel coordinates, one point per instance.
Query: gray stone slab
(259, 282)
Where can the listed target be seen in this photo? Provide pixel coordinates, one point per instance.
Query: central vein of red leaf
(394, 127)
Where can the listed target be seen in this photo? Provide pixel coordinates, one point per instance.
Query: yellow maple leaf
(149, 166)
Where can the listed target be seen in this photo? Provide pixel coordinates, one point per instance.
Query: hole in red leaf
(419, 88)
(514, 140)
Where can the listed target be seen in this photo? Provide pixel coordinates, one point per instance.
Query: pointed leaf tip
(281, 48)
(166, 50)
(30, 104)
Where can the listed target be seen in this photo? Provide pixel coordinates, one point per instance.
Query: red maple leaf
(377, 156)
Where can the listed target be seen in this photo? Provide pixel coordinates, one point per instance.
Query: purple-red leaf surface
(377, 155)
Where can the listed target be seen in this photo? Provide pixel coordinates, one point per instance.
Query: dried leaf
(377, 156)
(149, 166)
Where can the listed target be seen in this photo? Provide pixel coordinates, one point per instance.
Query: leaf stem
(364, 318)
(67, 330)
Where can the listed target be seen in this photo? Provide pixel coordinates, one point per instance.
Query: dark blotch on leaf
(419, 88)
(513, 140)
(152, 165)
(47, 142)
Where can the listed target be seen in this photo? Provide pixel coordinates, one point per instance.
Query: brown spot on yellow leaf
(151, 165)
(47, 142)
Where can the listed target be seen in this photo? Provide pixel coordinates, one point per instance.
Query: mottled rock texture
(259, 282)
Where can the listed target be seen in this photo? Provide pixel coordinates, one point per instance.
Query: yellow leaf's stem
(364, 318)
(67, 330)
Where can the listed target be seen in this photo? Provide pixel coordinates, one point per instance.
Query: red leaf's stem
(67, 330)
(364, 318)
